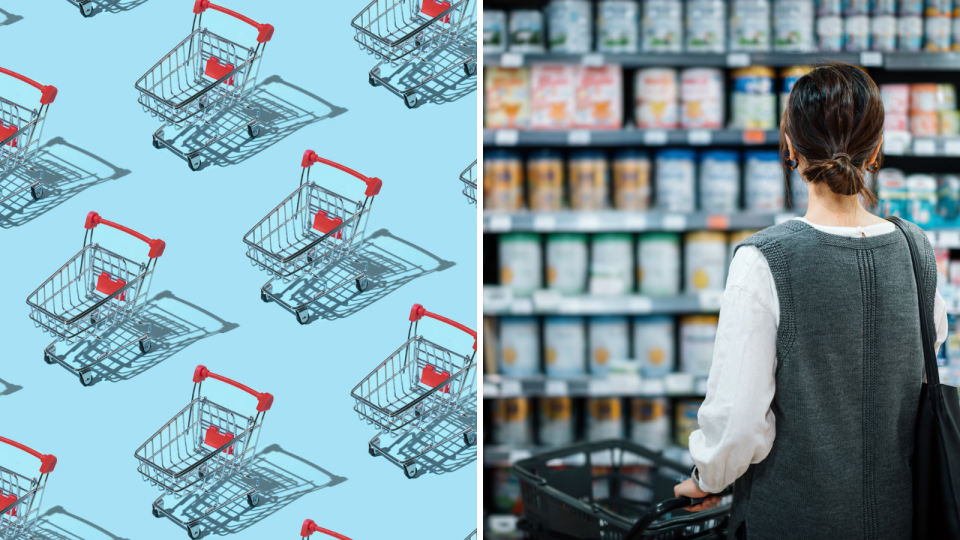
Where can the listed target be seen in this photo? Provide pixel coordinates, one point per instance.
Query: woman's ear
(790, 152)
(875, 153)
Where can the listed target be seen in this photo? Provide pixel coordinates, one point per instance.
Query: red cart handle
(417, 312)
(309, 527)
(156, 246)
(373, 184)
(266, 30)
(264, 400)
(49, 93)
(47, 462)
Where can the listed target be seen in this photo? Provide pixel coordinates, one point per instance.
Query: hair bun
(838, 173)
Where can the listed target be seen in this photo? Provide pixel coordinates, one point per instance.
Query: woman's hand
(689, 488)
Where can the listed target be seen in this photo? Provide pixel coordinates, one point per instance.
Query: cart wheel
(253, 131)
(362, 284)
(410, 470)
(410, 100)
(193, 531)
(86, 378)
(86, 9)
(470, 438)
(372, 451)
(156, 143)
(470, 68)
(195, 162)
(47, 358)
(156, 512)
(264, 297)
(146, 346)
(36, 192)
(253, 499)
(303, 317)
(373, 81)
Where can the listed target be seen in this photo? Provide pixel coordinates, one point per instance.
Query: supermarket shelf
(620, 221)
(506, 456)
(894, 61)
(673, 385)
(501, 301)
(630, 137)
(502, 527)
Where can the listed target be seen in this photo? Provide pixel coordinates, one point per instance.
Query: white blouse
(737, 427)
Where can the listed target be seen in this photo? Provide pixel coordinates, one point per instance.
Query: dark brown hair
(834, 118)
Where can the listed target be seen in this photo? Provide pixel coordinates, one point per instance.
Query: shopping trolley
(401, 31)
(309, 527)
(610, 489)
(21, 496)
(310, 231)
(200, 77)
(203, 444)
(469, 179)
(93, 292)
(420, 382)
(20, 131)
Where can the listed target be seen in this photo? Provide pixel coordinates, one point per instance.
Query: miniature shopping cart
(20, 131)
(398, 32)
(311, 231)
(203, 444)
(21, 496)
(610, 489)
(469, 179)
(92, 293)
(202, 76)
(309, 527)
(472, 536)
(420, 382)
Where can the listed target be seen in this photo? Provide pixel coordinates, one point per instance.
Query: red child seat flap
(432, 8)
(7, 131)
(216, 70)
(108, 286)
(215, 439)
(7, 500)
(326, 224)
(432, 378)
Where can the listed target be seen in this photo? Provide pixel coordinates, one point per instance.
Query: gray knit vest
(849, 370)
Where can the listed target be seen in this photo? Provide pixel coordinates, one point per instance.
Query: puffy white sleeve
(940, 319)
(737, 427)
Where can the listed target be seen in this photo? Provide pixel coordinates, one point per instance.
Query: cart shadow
(392, 263)
(9, 18)
(8, 388)
(68, 171)
(284, 478)
(116, 6)
(58, 524)
(176, 325)
(451, 86)
(284, 109)
(449, 457)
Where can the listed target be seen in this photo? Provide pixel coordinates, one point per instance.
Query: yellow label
(550, 355)
(601, 355)
(509, 355)
(555, 409)
(646, 410)
(512, 410)
(551, 275)
(605, 408)
(506, 275)
(700, 279)
(656, 356)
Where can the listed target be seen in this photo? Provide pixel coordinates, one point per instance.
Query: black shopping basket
(608, 490)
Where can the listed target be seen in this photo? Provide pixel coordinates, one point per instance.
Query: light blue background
(206, 285)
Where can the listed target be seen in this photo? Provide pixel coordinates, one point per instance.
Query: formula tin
(856, 33)
(896, 98)
(884, 7)
(734, 240)
(719, 181)
(910, 33)
(631, 180)
(507, 498)
(565, 346)
(589, 183)
(599, 97)
(653, 345)
(892, 192)
(686, 416)
(883, 33)
(829, 7)
(658, 264)
(939, 8)
(754, 103)
(946, 97)
(922, 192)
(557, 421)
(706, 27)
(790, 76)
(519, 347)
(553, 89)
(650, 422)
(526, 31)
(545, 181)
(948, 196)
(697, 336)
(618, 26)
(611, 264)
(570, 26)
(911, 7)
(662, 26)
(701, 98)
(521, 267)
(506, 97)
(656, 93)
(938, 33)
(949, 123)
(512, 423)
(705, 261)
(750, 25)
(494, 31)
(857, 7)
(567, 259)
(608, 339)
(676, 180)
(793, 26)
(604, 419)
(763, 181)
(502, 181)
(925, 124)
(830, 33)
(956, 32)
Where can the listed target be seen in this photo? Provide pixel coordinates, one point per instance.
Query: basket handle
(48, 93)
(373, 184)
(47, 462)
(417, 312)
(264, 400)
(266, 30)
(156, 246)
(309, 527)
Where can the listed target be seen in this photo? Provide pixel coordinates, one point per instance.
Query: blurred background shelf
(629, 137)
(500, 301)
(624, 221)
(673, 385)
(506, 456)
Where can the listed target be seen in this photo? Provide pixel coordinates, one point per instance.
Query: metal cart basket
(309, 232)
(20, 131)
(21, 496)
(203, 444)
(400, 31)
(420, 382)
(93, 292)
(609, 490)
(469, 179)
(203, 75)
(309, 527)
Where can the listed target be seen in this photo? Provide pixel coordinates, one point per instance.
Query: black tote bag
(936, 454)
